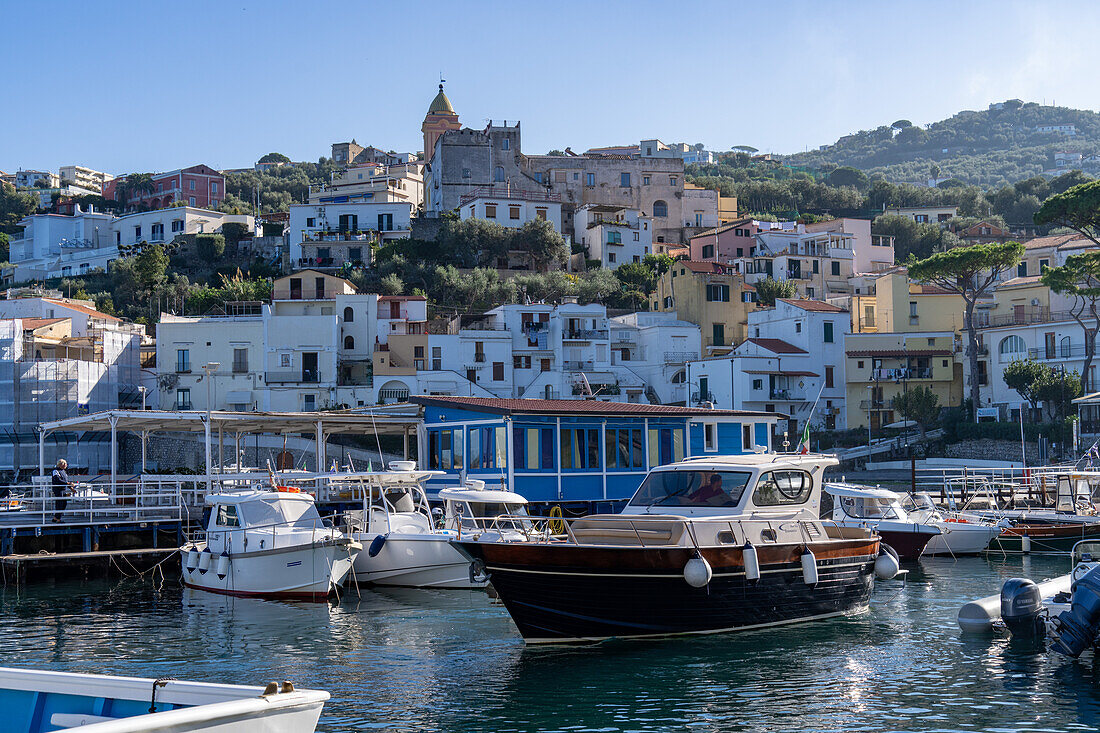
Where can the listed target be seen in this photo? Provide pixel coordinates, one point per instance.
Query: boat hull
(307, 573)
(958, 538)
(567, 593)
(414, 561)
(1044, 538)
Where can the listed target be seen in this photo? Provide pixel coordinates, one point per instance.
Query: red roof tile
(778, 346)
(81, 309)
(1056, 240)
(29, 324)
(814, 305)
(507, 406)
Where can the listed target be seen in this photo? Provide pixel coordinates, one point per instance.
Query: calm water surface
(409, 660)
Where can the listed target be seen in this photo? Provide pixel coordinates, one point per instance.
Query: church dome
(441, 105)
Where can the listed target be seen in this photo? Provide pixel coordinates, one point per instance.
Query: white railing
(1002, 487)
(35, 505)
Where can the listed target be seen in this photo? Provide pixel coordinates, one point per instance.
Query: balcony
(1021, 317)
(578, 366)
(1062, 352)
(305, 376)
(896, 375)
(705, 396)
(785, 395)
(183, 406)
(873, 405)
(479, 358)
(397, 395)
(585, 334)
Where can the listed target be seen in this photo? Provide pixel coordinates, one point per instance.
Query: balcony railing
(1021, 317)
(783, 394)
(894, 375)
(305, 376)
(479, 358)
(401, 395)
(1062, 352)
(183, 405)
(679, 357)
(578, 366)
(873, 405)
(704, 396)
(585, 334)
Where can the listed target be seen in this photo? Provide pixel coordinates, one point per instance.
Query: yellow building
(906, 307)
(880, 366)
(711, 295)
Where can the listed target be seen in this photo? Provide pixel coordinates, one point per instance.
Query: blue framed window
(666, 445)
(624, 449)
(533, 448)
(488, 448)
(445, 449)
(580, 449)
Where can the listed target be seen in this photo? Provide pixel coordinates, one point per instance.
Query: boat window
(692, 489)
(301, 514)
(917, 502)
(781, 488)
(227, 516)
(867, 507)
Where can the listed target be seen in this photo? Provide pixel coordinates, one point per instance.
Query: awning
(781, 372)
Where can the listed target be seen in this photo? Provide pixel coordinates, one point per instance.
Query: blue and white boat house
(574, 451)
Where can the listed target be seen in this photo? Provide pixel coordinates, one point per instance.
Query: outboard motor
(1076, 628)
(1021, 602)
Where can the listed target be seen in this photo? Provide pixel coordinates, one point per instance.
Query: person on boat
(60, 486)
(711, 493)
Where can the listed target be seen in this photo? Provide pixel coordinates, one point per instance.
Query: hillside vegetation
(985, 148)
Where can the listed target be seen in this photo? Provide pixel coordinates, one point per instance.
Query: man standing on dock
(61, 485)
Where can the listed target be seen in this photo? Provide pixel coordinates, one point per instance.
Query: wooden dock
(104, 563)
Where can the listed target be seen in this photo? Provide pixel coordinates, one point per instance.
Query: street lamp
(208, 369)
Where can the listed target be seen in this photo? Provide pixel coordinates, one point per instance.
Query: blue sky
(152, 86)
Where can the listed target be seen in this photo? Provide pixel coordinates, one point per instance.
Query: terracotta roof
(778, 346)
(901, 352)
(1056, 240)
(781, 372)
(29, 324)
(814, 305)
(82, 309)
(507, 406)
(1020, 281)
(925, 289)
(703, 266)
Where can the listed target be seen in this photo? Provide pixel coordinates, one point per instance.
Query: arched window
(1064, 347)
(498, 174)
(660, 208)
(349, 315)
(349, 342)
(1012, 347)
(679, 377)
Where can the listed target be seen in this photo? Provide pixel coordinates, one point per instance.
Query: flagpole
(810, 417)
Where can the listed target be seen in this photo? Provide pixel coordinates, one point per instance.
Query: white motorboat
(36, 701)
(405, 544)
(961, 533)
(270, 544)
(880, 510)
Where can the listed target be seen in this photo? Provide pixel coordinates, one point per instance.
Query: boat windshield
(867, 507)
(482, 514)
(692, 489)
(917, 502)
(272, 512)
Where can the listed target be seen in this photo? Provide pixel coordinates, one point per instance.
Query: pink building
(200, 186)
(730, 241)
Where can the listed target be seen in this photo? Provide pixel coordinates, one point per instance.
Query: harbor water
(420, 660)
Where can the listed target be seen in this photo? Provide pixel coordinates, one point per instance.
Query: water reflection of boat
(705, 545)
(37, 701)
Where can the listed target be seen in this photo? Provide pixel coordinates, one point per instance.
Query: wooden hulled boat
(704, 546)
(1043, 537)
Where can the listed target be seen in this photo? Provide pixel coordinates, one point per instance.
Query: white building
(656, 347)
(328, 235)
(794, 352)
(28, 179)
(511, 208)
(700, 207)
(818, 262)
(84, 177)
(310, 348)
(870, 252)
(614, 235)
(373, 183)
(163, 225)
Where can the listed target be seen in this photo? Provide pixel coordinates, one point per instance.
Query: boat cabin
(756, 486)
(475, 507)
(258, 520)
(860, 502)
(582, 451)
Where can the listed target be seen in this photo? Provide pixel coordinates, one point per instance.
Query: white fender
(697, 572)
(223, 565)
(752, 562)
(204, 560)
(809, 568)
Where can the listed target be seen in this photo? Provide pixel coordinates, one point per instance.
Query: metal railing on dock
(36, 506)
(1005, 487)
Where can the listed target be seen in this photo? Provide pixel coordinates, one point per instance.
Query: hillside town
(817, 319)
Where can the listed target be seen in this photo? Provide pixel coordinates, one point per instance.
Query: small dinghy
(37, 701)
(1064, 610)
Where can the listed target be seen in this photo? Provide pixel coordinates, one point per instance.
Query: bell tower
(440, 118)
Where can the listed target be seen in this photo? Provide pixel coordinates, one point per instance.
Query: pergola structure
(400, 419)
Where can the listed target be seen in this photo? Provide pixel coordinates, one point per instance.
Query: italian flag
(804, 442)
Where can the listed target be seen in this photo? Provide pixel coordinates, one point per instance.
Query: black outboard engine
(1021, 603)
(1076, 628)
